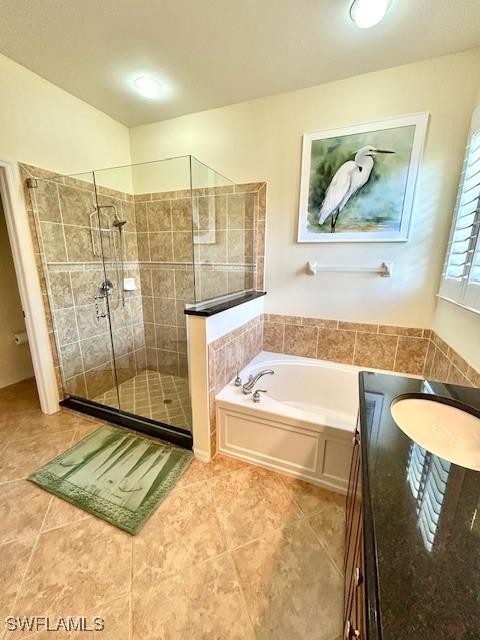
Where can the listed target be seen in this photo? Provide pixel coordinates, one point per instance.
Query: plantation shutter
(461, 273)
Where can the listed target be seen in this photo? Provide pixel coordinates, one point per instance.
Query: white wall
(15, 361)
(43, 125)
(261, 140)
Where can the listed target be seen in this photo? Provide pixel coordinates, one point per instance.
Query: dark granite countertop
(207, 309)
(421, 523)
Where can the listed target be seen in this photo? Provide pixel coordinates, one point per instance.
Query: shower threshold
(150, 427)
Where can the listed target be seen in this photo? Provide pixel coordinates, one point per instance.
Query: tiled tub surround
(445, 364)
(227, 355)
(403, 349)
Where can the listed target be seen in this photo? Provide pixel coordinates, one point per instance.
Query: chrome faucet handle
(256, 396)
(238, 381)
(253, 379)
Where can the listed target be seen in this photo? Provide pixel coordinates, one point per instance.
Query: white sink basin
(447, 431)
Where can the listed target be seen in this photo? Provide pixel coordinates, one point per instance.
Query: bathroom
(186, 298)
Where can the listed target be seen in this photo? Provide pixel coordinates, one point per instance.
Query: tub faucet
(248, 386)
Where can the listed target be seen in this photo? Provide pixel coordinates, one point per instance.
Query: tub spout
(248, 386)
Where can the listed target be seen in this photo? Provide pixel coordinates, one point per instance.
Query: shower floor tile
(154, 395)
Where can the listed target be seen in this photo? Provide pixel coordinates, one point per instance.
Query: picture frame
(353, 188)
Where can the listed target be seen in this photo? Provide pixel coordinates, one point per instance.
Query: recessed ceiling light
(368, 13)
(148, 87)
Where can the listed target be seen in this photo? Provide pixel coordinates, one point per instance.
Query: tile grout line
(354, 347)
(130, 595)
(242, 593)
(306, 517)
(324, 547)
(28, 563)
(396, 353)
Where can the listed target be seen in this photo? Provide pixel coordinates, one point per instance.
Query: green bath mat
(116, 475)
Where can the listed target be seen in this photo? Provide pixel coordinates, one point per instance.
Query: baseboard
(200, 454)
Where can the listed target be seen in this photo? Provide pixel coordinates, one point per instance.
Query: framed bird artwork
(358, 182)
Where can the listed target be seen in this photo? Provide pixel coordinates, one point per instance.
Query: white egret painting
(358, 182)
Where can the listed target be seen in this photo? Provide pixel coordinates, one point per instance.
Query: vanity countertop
(421, 523)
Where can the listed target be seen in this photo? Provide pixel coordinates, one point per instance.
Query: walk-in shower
(124, 250)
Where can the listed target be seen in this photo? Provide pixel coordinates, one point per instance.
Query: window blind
(461, 273)
(427, 476)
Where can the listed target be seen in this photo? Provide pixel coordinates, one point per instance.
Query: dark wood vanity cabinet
(354, 592)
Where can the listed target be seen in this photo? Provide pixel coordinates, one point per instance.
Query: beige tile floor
(153, 395)
(234, 552)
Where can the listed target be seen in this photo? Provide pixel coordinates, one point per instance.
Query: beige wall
(15, 361)
(459, 327)
(261, 140)
(45, 126)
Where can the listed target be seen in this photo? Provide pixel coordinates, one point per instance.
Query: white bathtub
(303, 425)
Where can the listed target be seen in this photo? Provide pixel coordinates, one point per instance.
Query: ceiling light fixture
(368, 13)
(148, 87)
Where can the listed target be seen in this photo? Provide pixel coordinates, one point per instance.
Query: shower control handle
(256, 396)
(238, 381)
(106, 288)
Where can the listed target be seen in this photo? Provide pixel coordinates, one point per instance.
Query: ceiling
(210, 53)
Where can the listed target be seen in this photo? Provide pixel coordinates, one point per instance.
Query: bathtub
(303, 426)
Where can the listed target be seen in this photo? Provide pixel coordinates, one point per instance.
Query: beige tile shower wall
(71, 273)
(166, 288)
(165, 254)
(228, 238)
(229, 225)
(403, 349)
(227, 355)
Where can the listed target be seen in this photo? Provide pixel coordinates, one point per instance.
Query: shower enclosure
(124, 250)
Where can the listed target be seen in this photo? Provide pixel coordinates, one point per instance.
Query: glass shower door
(116, 219)
(67, 222)
(123, 251)
(148, 262)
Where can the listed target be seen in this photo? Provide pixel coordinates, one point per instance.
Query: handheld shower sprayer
(117, 223)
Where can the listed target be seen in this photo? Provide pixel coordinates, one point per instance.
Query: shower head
(119, 223)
